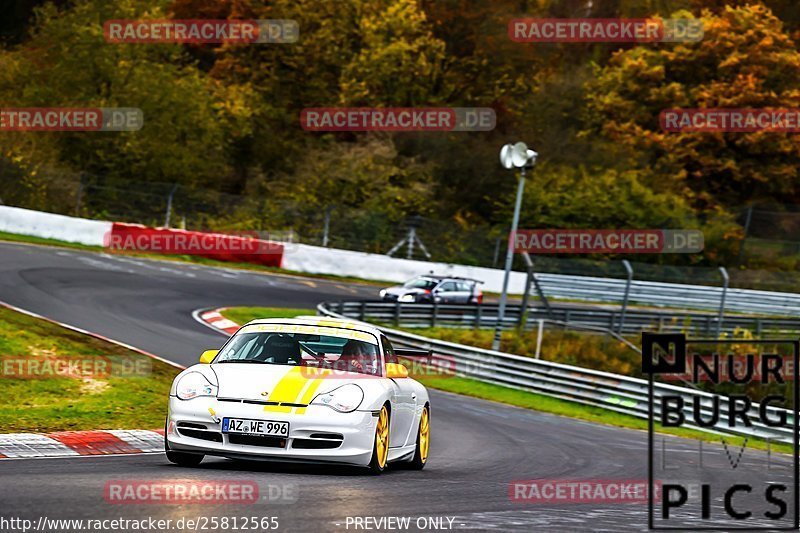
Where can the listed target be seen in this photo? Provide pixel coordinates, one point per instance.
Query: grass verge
(243, 315)
(598, 352)
(55, 379)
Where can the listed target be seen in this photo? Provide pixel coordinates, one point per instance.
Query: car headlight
(406, 298)
(382, 293)
(194, 384)
(344, 399)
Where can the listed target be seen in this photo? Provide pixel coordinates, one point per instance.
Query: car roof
(439, 278)
(320, 321)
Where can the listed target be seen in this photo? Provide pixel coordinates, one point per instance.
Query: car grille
(257, 440)
(261, 402)
(319, 441)
(198, 431)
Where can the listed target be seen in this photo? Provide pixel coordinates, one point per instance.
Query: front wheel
(181, 458)
(423, 441)
(380, 447)
(184, 459)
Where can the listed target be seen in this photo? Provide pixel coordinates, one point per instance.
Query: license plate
(255, 427)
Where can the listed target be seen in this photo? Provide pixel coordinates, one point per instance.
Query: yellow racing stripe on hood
(309, 394)
(287, 390)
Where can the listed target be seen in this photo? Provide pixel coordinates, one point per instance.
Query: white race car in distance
(306, 389)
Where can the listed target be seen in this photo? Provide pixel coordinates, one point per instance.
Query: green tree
(190, 119)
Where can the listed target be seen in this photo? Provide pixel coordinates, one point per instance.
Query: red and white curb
(78, 443)
(105, 442)
(216, 321)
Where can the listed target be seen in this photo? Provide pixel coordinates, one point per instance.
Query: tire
(380, 444)
(423, 441)
(184, 459)
(181, 458)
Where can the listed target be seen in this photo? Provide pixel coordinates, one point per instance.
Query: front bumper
(352, 434)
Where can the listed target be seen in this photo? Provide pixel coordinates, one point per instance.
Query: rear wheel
(423, 441)
(380, 446)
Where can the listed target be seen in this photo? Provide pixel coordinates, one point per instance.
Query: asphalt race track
(478, 447)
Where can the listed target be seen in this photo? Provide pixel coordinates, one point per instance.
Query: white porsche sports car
(306, 389)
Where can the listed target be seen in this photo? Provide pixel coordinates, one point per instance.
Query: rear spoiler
(400, 352)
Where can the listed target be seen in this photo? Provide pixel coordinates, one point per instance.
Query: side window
(448, 286)
(388, 350)
(463, 286)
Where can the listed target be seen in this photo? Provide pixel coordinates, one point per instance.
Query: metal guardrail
(613, 392)
(633, 322)
(612, 290)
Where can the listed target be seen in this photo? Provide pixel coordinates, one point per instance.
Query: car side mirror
(396, 370)
(208, 356)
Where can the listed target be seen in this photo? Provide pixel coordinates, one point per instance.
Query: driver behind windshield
(359, 356)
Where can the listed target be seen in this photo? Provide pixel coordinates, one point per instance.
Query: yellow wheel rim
(382, 437)
(424, 435)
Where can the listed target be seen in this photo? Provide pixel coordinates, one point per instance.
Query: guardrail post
(725, 280)
(629, 271)
(363, 311)
(435, 312)
(758, 327)
(397, 314)
(478, 316)
(539, 338)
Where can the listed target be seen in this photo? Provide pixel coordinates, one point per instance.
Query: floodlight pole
(509, 259)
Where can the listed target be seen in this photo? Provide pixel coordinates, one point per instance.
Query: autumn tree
(746, 60)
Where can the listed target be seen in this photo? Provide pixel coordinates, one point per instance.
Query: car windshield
(420, 283)
(339, 349)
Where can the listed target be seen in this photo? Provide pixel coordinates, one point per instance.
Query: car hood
(277, 383)
(400, 290)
